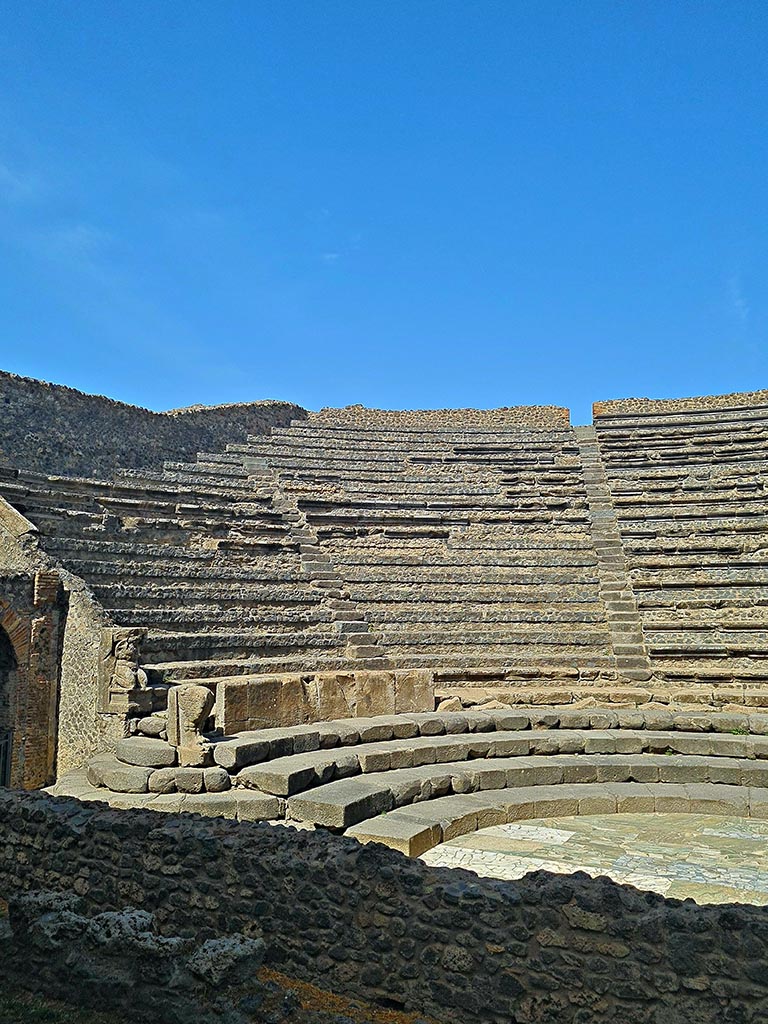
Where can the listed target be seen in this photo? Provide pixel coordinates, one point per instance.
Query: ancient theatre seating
(462, 543)
(195, 554)
(413, 780)
(689, 481)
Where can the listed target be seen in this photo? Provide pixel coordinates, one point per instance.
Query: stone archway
(8, 684)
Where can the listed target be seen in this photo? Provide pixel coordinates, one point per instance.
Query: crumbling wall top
(671, 406)
(545, 416)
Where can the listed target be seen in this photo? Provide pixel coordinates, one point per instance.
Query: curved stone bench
(249, 748)
(347, 802)
(288, 776)
(285, 761)
(414, 830)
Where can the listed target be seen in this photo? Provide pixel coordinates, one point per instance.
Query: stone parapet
(442, 419)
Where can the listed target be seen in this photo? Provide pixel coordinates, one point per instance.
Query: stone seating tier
(689, 491)
(290, 761)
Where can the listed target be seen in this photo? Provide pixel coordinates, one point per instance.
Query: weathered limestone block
(341, 804)
(232, 705)
(188, 709)
(163, 781)
(153, 725)
(279, 700)
(375, 694)
(252, 806)
(450, 704)
(216, 780)
(212, 805)
(236, 751)
(333, 695)
(414, 691)
(145, 752)
(189, 780)
(124, 778)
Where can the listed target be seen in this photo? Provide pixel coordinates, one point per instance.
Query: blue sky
(404, 203)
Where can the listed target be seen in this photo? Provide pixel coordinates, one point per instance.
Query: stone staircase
(198, 556)
(458, 546)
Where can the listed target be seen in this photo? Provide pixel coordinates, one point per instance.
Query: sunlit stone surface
(709, 859)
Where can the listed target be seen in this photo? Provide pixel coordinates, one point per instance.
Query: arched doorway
(8, 681)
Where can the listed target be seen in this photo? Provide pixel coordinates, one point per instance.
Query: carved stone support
(122, 682)
(188, 708)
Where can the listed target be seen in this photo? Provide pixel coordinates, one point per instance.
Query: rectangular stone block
(292, 777)
(580, 774)
(411, 836)
(414, 691)
(635, 799)
(374, 694)
(597, 803)
(233, 753)
(257, 806)
(726, 800)
(332, 695)
(555, 802)
(341, 804)
(758, 804)
(231, 709)
(279, 700)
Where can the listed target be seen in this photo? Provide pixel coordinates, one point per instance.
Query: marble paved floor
(710, 859)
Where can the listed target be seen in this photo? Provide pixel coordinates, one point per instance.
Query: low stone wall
(272, 701)
(359, 416)
(55, 429)
(671, 406)
(362, 920)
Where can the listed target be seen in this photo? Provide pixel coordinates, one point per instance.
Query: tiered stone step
(415, 829)
(422, 520)
(690, 492)
(342, 774)
(161, 551)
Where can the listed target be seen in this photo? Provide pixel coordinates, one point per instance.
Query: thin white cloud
(737, 299)
(72, 244)
(330, 257)
(18, 188)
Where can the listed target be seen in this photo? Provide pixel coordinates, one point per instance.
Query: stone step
(417, 828)
(497, 760)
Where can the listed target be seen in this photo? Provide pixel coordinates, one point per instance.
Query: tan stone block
(411, 836)
(276, 701)
(414, 691)
(374, 694)
(332, 696)
(598, 803)
(232, 705)
(635, 799)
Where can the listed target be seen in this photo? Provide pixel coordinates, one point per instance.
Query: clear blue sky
(403, 203)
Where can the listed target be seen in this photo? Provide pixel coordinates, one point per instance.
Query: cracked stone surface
(706, 858)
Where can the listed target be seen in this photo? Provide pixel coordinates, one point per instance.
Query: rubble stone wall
(56, 429)
(360, 417)
(365, 921)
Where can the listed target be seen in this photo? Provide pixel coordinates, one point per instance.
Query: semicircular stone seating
(412, 781)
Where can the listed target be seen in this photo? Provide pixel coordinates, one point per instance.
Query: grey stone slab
(341, 804)
(124, 778)
(145, 752)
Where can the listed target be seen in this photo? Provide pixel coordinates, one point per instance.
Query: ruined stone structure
(356, 562)
(362, 920)
(402, 627)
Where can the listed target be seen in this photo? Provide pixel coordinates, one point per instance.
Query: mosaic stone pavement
(709, 859)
